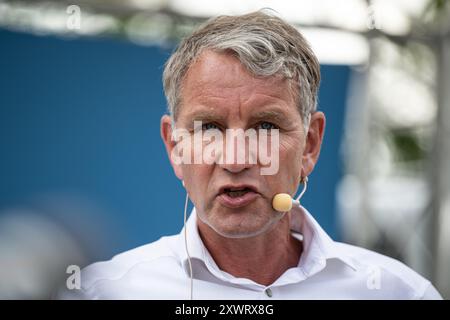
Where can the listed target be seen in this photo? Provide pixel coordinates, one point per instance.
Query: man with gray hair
(251, 78)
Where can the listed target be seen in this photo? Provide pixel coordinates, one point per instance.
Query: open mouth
(237, 192)
(237, 196)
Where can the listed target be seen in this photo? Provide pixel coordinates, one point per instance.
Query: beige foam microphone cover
(282, 202)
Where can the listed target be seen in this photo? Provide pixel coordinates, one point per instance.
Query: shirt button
(268, 292)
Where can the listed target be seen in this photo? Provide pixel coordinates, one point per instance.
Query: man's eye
(209, 126)
(266, 126)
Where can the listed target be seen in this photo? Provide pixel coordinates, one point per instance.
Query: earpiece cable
(305, 185)
(186, 247)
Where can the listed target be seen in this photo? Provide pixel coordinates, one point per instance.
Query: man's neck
(263, 258)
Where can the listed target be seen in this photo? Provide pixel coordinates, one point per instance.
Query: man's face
(221, 93)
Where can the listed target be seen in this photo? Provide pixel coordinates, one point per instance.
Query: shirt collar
(318, 247)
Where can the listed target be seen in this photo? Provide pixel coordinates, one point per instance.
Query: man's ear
(166, 135)
(313, 143)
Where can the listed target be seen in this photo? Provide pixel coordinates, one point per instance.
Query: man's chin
(238, 234)
(238, 227)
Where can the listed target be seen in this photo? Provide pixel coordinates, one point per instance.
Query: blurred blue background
(80, 118)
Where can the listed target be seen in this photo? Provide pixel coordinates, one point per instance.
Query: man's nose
(235, 167)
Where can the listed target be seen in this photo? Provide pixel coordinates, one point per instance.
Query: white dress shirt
(326, 270)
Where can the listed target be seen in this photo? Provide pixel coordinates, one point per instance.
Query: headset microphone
(282, 202)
